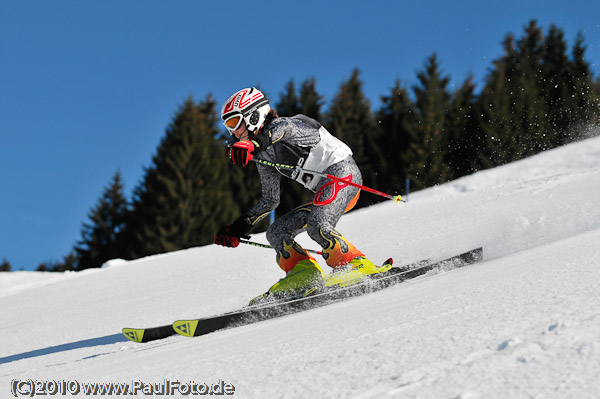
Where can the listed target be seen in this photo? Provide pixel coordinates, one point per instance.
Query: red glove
(229, 236)
(241, 152)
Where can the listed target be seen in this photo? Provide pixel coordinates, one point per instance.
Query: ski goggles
(233, 122)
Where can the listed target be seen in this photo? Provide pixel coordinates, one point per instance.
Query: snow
(523, 323)
(114, 263)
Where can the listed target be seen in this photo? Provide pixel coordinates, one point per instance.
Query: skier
(300, 141)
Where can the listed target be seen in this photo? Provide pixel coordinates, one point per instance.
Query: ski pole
(395, 198)
(257, 244)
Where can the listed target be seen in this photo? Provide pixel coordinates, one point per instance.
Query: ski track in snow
(524, 323)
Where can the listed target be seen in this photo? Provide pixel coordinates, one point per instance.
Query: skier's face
(241, 133)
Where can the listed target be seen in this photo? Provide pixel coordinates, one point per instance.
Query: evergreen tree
(99, 236)
(288, 104)
(585, 94)
(396, 121)
(349, 118)
(5, 266)
(310, 100)
(69, 262)
(432, 138)
(535, 98)
(535, 132)
(42, 267)
(184, 197)
(463, 131)
(554, 86)
(511, 107)
(497, 120)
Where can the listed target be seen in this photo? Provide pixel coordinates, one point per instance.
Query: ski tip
(390, 261)
(185, 327)
(476, 255)
(134, 334)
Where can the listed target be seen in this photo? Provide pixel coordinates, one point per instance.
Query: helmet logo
(242, 99)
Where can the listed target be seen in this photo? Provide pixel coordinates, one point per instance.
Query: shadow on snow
(86, 343)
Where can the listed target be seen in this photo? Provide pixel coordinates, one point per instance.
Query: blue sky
(88, 87)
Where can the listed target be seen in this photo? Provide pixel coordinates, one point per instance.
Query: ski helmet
(249, 105)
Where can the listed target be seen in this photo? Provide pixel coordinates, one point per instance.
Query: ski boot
(304, 279)
(354, 272)
(350, 265)
(303, 276)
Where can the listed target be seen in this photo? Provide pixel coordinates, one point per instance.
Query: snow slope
(523, 323)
